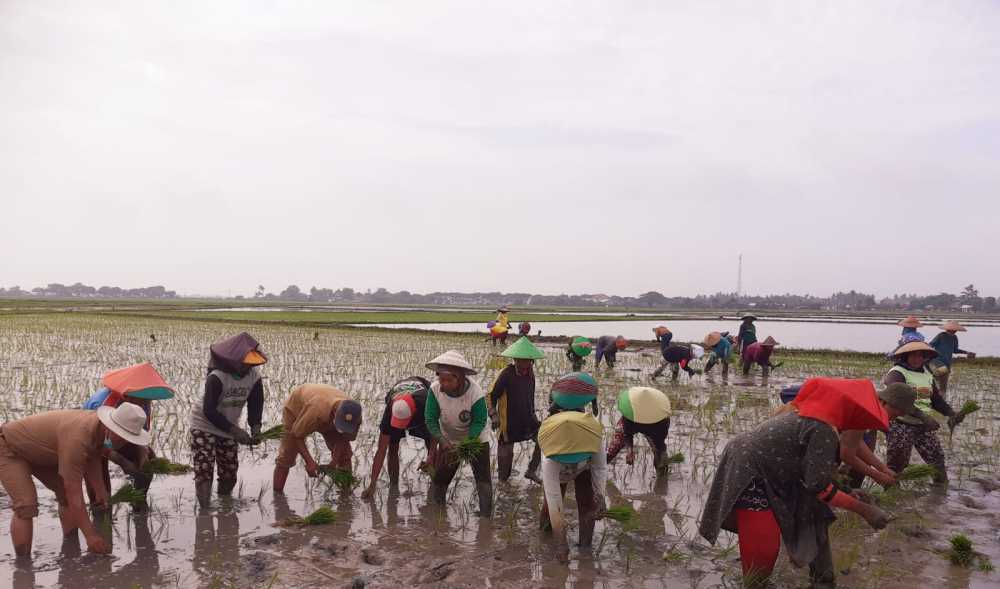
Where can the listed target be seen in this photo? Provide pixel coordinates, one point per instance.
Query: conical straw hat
(952, 325)
(712, 339)
(523, 349)
(910, 321)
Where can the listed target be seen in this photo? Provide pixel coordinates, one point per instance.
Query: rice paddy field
(54, 361)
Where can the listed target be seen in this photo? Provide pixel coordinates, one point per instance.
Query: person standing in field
(501, 327)
(759, 353)
(910, 333)
(524, 329)
(233, 382)
(573, 445)
(918, 430)
(645, 411)
(577, 351)
(512, 408)
(62, 449)
(946, 345)
(776, 482)
(455, 412)
(316, 408)
(677, 356)
(140, 385)
(747, 334)
(403, 415)
(572, 392)
(608, 347)
(721, 348)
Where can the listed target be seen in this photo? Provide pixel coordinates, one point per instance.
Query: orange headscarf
(845, 404)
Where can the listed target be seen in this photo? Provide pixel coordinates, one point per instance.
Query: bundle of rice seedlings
(961, 552)
(342, 479)
(968, 407)
(128, 494)
(623, 514)
(469, 449)
(272, 433)
(675, 458)
(916, 472)
(165, 466)
(322, 516)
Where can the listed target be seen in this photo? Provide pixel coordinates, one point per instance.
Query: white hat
(697, 351)
(126, 420)
(452, 359)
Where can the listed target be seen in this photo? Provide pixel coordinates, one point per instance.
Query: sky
(548, 147)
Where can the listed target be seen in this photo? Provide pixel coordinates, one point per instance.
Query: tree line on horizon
(967, 300)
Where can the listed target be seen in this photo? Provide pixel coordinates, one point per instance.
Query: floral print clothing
(208, 451)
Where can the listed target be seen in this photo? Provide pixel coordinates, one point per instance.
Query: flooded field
(397, 540)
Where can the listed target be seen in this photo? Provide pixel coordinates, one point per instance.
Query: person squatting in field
(512, 408)
(645, 411)
(776, 482)
(316, 408)
(403, 415)
(455, 412)
(233, 382)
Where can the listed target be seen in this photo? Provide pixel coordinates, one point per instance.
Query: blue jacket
(946, 345)
(723, 349)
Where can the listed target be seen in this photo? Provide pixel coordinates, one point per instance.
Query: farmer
(678, 356)
(574, 452)
(573, 391)
(775, 482)
(910, 333)
(404, 414)
(663, 335)
(721, 348)
(316, 408)
(512, 408)
(747, 333)
(644, 411)
(759, 353)
(501, 326)
(456, 411)
(607, 348)
(946, 345)
(140, 385)
(61, 449)
(918, 430)
(233, 382)
(524, 329)
(577, 351)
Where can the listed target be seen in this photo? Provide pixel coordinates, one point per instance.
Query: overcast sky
(547, 147)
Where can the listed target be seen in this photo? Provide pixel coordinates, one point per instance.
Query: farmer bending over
(644, 411)
(403, 415)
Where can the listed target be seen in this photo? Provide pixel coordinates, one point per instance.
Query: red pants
(760, 541)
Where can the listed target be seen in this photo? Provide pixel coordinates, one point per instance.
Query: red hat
(845, 404)
(403, 409)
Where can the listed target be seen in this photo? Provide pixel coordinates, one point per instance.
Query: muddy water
(809, 335)
(397, 540)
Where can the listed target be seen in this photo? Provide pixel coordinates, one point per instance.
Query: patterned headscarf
(574, 390)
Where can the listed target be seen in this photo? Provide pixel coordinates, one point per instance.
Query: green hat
(523, 349)
(643, 405)
(902, 397)
(581, 346)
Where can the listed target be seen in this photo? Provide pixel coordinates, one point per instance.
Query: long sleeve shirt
(213, 391)
(946, 345)
(457, 418)
(555, 474)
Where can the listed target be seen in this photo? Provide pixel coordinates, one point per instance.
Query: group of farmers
(785, 497)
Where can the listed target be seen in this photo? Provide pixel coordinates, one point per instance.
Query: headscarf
(844, 404)
(574, 390)
(228, 355)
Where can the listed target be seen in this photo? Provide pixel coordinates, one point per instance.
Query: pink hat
(403, 408)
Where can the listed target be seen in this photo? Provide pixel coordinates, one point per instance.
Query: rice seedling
(968, 407)
(321, 517)
(960, 552)
(128, 494)
(271, 433)
(340, 478)
(165, 466)
(468, 449)
(917, 472)
(623, 514)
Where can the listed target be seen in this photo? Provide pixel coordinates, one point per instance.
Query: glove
(240, 435)
(931, 425)
(875, 517)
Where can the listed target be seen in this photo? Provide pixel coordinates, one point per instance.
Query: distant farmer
(512, 408)
(677, 357)
(140, 385)
(577, 351)
(918, 430)
(747, 333)
(572, 392)
(403, 415)
(946, 345)
(316, 408)
(233, 382)
(524, 329)
(644, 411)
(775, 483)
(608, 347)
(573, 446)
(720, 350)
(663, 335)
(456, 411)
(910, 333)
(62, 449)
(501, 327)
(759, 353)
